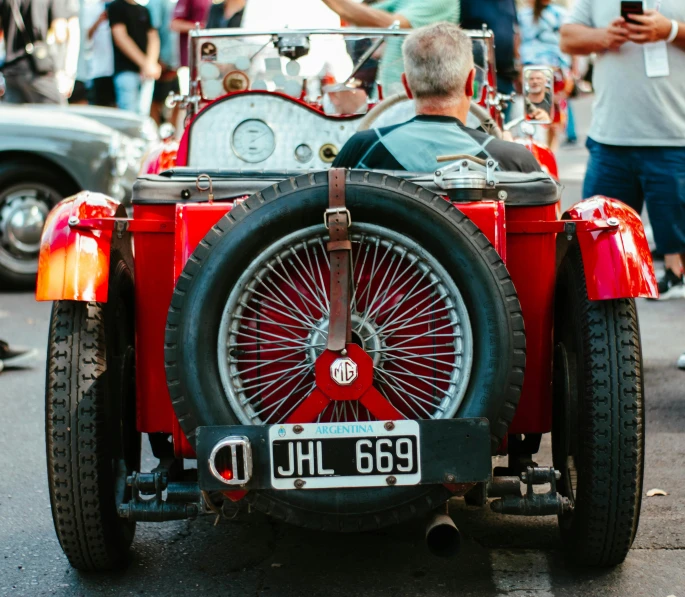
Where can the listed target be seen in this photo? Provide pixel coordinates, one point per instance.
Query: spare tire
(433, 305)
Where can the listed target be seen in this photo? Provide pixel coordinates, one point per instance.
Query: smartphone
(632, 7)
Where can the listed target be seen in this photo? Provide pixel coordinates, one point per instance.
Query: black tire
(16, 174)
(227, 250)
(598, 420)
(92, 442)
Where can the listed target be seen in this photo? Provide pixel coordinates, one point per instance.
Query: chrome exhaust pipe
(442, 536)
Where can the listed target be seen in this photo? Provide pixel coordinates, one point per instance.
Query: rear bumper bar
(453, 451)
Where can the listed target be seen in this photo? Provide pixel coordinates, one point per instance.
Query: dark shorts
(164, 88)
(79, 94)
(651, 176)
(101, 92)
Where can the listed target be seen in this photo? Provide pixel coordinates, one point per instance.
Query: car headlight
(149, 131)
(118, 151)
(136, 150)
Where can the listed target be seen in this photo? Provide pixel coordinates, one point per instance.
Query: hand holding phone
(632, 7)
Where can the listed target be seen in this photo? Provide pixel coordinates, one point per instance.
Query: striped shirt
(416, 144)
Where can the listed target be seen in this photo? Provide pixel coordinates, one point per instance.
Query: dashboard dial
(253, 140)
(303, 153)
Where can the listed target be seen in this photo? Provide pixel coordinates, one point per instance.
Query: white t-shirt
(632, 109)
(96, 56)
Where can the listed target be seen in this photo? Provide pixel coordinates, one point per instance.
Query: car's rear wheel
(598, 419)
(433, 305)
(27, 194)
(90, 424)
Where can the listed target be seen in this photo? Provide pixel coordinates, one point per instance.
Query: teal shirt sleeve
(422, 12)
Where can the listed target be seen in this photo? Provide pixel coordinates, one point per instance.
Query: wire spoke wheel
(407, 314)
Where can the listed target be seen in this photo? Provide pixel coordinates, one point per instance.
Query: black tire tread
(75, 437)
(612, 427)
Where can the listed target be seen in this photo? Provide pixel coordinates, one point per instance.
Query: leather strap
(337, 219)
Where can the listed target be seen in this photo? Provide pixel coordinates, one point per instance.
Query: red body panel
(532, 265)
(618, 264)
(73, 264)
(154, 270)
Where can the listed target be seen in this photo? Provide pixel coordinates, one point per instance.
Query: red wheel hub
(360, 388)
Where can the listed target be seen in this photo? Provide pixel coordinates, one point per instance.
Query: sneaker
(16, 357)
(671, 286)
(681, 361)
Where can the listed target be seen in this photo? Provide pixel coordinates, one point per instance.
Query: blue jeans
(570, 123)
(654, 176)
(133, 93)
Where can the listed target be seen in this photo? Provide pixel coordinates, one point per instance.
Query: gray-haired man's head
(438, 59)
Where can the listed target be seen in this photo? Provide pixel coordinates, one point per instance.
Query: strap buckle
(331, 211)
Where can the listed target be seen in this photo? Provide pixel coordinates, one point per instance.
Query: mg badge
(344, 371)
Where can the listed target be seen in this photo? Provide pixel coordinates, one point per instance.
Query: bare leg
(674, 262)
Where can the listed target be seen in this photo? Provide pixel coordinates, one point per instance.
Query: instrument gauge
(328, 152)
(303, 153)
(253, 141)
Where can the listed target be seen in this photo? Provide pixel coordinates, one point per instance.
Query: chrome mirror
(538, 94)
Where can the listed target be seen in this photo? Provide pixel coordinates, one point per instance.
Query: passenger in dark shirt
(136, 54)
(439, 74)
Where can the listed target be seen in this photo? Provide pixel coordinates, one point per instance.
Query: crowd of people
(128, 55)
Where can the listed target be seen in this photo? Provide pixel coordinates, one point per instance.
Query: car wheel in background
(598, 420)
(27, 194)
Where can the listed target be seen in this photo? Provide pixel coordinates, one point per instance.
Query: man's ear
(470, 80)
(410, 95)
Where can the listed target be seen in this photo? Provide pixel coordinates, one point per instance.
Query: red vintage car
(342, 350)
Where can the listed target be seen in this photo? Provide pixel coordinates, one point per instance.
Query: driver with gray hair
(438, 75)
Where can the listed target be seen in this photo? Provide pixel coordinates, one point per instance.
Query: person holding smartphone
(637, 136)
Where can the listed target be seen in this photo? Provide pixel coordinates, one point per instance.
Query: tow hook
(535, 504)
(181, 502)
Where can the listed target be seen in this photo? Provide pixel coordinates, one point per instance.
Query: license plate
(329, 455)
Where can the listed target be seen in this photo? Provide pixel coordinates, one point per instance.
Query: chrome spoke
(282, 304)
(399, 392)
(317, 291)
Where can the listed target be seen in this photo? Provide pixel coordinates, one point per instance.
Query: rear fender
(73, 264)
(617, 261)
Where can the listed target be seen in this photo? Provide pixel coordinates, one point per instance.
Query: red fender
(73, 264)
(617, 262)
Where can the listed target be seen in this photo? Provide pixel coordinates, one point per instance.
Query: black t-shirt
(216, 19)
(500, 16)
(545, 104)
(415, 145)
(136, 18)
(37, 16)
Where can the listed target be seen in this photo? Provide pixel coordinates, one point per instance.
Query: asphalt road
(515, 556)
